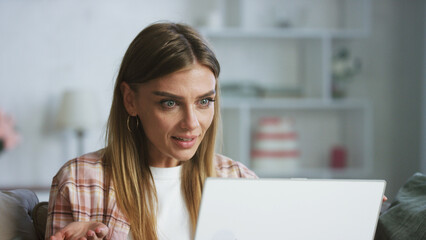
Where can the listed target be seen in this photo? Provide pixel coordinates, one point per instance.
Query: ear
(129, 99)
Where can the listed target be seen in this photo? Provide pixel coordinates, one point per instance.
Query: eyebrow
(170, 95)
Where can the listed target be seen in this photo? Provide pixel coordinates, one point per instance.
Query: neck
(166, 163)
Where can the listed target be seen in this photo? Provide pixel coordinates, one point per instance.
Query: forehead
(195, 79)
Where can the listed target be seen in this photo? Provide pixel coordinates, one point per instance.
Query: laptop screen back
(247, 209)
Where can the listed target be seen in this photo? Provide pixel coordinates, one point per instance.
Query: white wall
(49, 46)
(392, 80)
(408, 93)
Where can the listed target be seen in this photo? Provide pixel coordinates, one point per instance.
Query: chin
(185, 156)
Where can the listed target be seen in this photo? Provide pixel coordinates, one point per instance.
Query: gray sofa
(406, 216)
(22, 216)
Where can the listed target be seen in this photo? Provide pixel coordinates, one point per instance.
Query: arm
(228, 168)
(59, 212)
(79, 194)
(61, 223)
(74, 209)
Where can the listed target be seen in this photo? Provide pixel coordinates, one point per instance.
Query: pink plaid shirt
(78, 194)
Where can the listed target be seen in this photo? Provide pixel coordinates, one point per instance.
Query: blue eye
(206, 102)
(168, 103)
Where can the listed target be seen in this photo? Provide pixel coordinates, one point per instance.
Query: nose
(190, 119)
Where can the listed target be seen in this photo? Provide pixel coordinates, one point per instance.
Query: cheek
(207, 119)
(155, 124)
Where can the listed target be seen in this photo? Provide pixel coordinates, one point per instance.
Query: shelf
(283, 33)
(291, 69)
(283, 103)
(320, 125)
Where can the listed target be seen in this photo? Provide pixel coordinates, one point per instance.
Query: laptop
(255, 209)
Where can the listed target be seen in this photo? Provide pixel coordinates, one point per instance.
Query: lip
(185, 144)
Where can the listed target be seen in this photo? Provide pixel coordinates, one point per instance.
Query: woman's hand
(82, 231)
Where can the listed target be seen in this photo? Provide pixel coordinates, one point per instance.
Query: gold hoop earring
(128, 123)
(128, 127)
(137, 121)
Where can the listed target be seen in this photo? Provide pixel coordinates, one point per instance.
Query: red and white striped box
(275, 146)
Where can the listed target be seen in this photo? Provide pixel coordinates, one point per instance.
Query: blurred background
(311, 88)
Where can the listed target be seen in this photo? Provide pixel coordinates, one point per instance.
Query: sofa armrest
(15, 211)
(39, 216)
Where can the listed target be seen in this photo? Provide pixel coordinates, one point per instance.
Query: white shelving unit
(296, 58)
(320, 125)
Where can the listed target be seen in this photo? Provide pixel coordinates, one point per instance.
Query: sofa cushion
(15, 214)
(406, 217)
(39, 215)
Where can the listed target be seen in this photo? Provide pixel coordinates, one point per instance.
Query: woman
(147, 182)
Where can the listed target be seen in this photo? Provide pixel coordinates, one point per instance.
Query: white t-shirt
(172, 217)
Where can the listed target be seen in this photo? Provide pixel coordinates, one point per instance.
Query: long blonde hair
(158, 50)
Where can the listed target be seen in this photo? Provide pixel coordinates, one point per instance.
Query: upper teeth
(184, 139)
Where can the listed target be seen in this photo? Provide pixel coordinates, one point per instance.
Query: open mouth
(182, 139)
(184, 142)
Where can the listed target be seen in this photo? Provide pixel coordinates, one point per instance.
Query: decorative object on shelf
(215, 19)
(338, 157)
(78, 112)
(275, 146)
(240, 89)
(213, 16)
(281, 92)
(282, 18)
(9, 138)
(290, 14)
(249, 89)
(344, 68)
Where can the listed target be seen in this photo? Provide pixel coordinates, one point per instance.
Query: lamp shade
(78, 110)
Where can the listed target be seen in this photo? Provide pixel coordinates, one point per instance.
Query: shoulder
(81, 192)
(86, 169)
(228, 168)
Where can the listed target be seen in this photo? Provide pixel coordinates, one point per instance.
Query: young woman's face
(175, 111)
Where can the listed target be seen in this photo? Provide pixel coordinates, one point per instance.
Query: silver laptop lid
(247, 209)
